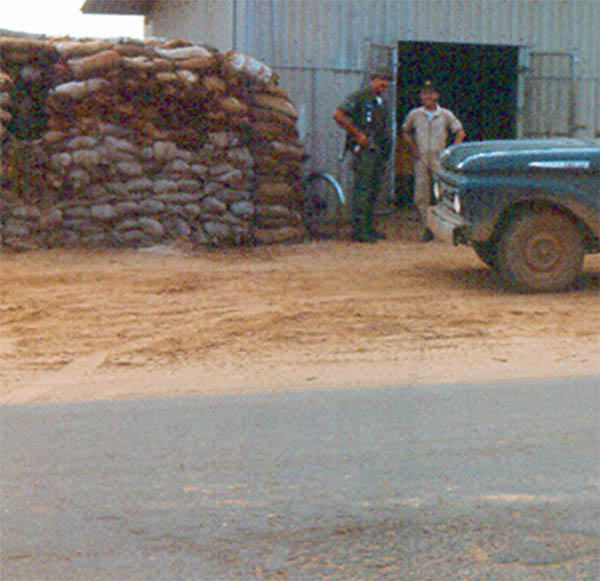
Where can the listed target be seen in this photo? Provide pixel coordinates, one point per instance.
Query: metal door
(549, 94)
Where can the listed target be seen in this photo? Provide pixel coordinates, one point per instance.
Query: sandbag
(276, 103)
(95, 64)
(79, 89)
(183, 53)
(243, 63)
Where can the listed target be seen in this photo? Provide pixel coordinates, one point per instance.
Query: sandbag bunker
(112, 143)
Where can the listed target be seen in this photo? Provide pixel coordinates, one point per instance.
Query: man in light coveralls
(426, 130)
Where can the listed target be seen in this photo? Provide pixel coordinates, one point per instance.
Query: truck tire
(540, 251)
(486, 251)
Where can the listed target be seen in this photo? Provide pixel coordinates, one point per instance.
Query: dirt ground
(167, 320)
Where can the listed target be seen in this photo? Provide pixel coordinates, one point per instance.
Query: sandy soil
(93, 325)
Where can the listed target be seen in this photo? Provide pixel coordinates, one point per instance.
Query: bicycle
(323, 204)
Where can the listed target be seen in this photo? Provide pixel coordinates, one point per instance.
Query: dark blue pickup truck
(529, 208)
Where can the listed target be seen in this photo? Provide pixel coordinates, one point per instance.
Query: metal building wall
(208, 22)
(317, 46)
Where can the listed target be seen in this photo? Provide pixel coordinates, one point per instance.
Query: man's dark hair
(429, 87)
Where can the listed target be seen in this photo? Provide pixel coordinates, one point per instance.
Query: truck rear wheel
(486, 251)
(540, 251)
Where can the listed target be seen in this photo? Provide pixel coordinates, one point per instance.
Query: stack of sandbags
(27, 71)
(134, 142)
(5, 102)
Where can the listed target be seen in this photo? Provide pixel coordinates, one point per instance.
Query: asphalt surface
(495, 481)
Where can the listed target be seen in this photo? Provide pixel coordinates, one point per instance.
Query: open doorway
(478, 82)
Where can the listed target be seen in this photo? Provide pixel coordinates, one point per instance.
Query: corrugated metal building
(506, 67)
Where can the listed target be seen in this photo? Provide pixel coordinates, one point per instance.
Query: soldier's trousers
(368, 167)
(425, 165)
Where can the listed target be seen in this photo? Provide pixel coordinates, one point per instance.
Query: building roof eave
(129, 7)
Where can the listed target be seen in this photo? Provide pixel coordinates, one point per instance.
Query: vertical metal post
(394, 123)
(233, 24)
(522, 89)
(573, 95)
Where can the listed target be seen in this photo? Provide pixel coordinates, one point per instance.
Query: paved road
(496, 481)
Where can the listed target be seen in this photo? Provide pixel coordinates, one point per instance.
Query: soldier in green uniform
(364, 115)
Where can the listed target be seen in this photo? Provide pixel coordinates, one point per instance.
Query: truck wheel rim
(542, 253)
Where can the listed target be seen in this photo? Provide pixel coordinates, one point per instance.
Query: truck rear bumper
(445, 224)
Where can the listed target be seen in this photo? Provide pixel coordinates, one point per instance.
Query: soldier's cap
(429, 87)
(382, 73)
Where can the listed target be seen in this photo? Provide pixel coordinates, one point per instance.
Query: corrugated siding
(330, 33)
(318, 46)
(317, 33)
(205, 21)
(316, 93)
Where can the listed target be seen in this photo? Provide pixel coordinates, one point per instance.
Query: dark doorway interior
(477, 82)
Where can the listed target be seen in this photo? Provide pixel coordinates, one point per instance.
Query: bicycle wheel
(323, 204)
